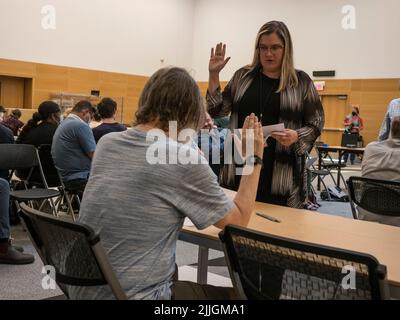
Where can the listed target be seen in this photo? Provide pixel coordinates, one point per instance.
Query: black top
(6, 136)
(42, 134)
(262, 99)
(105, 128)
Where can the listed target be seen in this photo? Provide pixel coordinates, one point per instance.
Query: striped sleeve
(219, 104)
(314, 119)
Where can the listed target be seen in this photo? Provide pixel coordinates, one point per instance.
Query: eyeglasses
(274, 48)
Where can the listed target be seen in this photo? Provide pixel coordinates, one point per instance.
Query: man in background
(73, 147)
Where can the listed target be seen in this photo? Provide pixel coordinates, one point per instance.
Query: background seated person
(144, 202)
(6, 136)
(3, 112)
(96, 120)
(8, 253)
(211, 141)
(382, 161)
(107, 108)
(13, 121)
(39, 131)
(73, 147)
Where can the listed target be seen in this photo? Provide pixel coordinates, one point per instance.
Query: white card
(267, 130)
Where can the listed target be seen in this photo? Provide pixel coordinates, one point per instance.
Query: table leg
(319, 168)
(339, 169)
(202, 267)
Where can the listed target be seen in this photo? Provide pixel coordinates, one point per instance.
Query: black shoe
(15, 257)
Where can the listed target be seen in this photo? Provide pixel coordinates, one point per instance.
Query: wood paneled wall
(12, 91)
(45, 80)
(373, 96)
(42, 80)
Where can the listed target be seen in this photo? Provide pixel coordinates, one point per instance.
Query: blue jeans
(346, 156)
(4, 207)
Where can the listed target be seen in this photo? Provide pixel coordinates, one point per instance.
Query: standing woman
(353, 125)
(276, 92)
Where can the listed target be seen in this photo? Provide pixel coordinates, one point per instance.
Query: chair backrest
(264, 266)
(20, 157)
(17, 156)
(377, 196)
(73, 249)
(310, 162)
(349, 140)
(49, 169)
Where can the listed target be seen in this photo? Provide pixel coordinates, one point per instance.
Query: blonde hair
(288, 73)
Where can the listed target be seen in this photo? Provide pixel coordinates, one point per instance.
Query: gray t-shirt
(138, 208)
(72, 141)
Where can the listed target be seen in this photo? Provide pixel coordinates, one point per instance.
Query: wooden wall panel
(337, 86)
(12, 92)
(39, 97)
(373, 95)
(83, 81)
(378, 85)
(17, 68)
(28, 93)
(51, 78)
(335, 111)
(333, 138)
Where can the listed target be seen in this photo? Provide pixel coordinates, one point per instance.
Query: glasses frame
(273, 49)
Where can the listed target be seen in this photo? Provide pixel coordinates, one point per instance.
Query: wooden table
(378, 240)
(340, 150)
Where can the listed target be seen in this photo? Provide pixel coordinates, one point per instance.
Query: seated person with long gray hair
(382, 161)
(145, 196)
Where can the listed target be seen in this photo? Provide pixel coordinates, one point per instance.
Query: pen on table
(268, 217)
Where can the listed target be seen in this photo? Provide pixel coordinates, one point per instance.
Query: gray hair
(171, 94)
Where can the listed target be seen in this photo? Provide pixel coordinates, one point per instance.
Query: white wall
(131, 36)
(128, 36)
(372, 50)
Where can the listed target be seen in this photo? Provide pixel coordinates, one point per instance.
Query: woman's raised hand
(217, 59)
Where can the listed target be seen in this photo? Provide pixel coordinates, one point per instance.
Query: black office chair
(313, 173)
(380, 197)
(329, 164)
(23, 156)
(264, 266)
(73, 249)
(52, 174)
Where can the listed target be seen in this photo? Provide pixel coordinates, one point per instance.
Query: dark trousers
(186, 290)
(76, 186)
